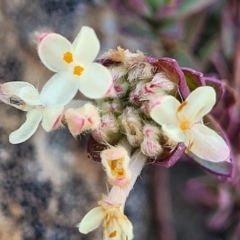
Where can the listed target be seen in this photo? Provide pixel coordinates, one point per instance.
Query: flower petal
(59, 90)
(165, 112)
(173, 132)
(51, 50)
(197, 104)
(207, 144)
(86, 46)
(126, 226)
(95, 81)
(12, 88)
(28, 128)
(9, 94)
(30, 95)
(52, 118)
(92, 220)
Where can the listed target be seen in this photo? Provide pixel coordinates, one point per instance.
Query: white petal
(92, 220)
(9, 94)
(59, 90)
(198, 103)
(126, 227)
(173, 132)
(27, 129)
(51, 51)
(95, 81)
(30, 95)
(52, 118)
(12, 88)
(165, 112)
(207, 144)
(86, 46)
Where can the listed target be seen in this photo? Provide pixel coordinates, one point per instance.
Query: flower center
(78, 70)
(184, 125)
(117, 167)
(68, 57)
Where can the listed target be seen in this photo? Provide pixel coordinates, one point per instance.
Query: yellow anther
(78, 70)
(68, 57)
(116, 167)
(183, 104)
(113, 234)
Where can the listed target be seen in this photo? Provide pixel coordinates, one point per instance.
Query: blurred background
(47, 184)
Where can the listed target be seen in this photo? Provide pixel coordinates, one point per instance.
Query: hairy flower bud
(82, 119)
(108, 130)
(151, 146)
(132, 126)
(114, 105)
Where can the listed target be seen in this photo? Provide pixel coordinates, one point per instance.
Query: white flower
(116, 164)
(116, 225)
(74, 66)
(181, 122)
(26, 97)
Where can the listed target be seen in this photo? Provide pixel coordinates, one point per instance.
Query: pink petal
(52, 118)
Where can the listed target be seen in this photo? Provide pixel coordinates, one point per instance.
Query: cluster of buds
(144, 109)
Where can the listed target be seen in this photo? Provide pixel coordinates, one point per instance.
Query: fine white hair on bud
(151, 146)
(115, 161)
(82, 119)
(132, 126)
(113, 105)
(108, 130)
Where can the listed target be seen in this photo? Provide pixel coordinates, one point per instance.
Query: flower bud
(82, 119)
(114, 105)
(132, 126)
(108, 130)
(151, 146)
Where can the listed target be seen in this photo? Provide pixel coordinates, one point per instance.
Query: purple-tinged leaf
(193, 78)
(173, 71)
(169, 159)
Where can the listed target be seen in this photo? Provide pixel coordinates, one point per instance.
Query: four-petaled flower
(26, 97)
(74, 66)
(116, 225)
(182, 122)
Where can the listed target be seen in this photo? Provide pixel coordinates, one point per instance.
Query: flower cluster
(142, 110)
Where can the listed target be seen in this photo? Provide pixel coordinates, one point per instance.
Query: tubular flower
(181, 122)
(116, 225)
(26, 97)
(74, 66)
(116, 163)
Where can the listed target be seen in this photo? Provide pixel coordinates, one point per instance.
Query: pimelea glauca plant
(143, 110)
